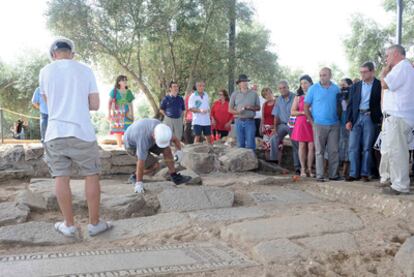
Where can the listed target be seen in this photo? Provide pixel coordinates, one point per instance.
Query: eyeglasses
(364, 71)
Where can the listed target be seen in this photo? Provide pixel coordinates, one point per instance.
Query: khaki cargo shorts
(62, 153)
(151, 159)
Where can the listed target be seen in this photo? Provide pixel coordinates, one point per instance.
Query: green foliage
(100, 122)
(18, 82)
(136, 38)
(367, 43)
(368, 40)
(408, 20)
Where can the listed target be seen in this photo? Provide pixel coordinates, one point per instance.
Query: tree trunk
(144, 88)
(232, 44)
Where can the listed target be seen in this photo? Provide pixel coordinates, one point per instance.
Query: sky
(309, 33)
(304, 33)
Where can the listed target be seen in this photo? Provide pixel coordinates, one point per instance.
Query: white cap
(162, 135)
(59, 42)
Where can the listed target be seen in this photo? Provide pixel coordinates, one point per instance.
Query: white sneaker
(101, 227)
(139, 188)
(68, 231)
(385, 181)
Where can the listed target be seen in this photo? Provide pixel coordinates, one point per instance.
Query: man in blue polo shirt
(173, 107)
(39, 103)
(323, 98)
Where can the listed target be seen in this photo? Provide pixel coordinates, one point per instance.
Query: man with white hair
(397, 79)
(148, 136)
(70, 91)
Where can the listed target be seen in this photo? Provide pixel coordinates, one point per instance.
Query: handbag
(291, 122)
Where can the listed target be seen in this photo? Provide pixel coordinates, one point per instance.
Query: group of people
(334, 123)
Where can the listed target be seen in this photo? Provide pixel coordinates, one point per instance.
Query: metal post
(1, 126)
(399, 21)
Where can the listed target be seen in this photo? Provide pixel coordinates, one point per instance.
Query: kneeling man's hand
(178, 156)
(139, 187)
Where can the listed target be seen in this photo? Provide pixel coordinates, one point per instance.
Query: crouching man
(149, 136)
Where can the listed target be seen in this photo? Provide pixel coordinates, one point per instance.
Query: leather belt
(365, 111)
(245, 119)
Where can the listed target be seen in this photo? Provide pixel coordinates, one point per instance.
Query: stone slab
(404, 258)
(195, 198)
(269, 181)
(271, 167)
(32, 233)
(33, 152)
(118, 198)
(31, 200)
(158, 186)
(199, 157)
(195, 178)
(238, 160)
(13, 213)
(133, 227)
(298, 226)
(122, 206)
(123, 160)
(278, 251)
(283, 196)
(146, 261)
(331, 243)
(227, 214)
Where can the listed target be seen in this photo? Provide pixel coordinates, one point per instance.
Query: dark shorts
(198, 129)
(221, 133)
(151, 159)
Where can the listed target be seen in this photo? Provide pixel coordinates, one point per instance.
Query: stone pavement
(267, 225)
(145, 261)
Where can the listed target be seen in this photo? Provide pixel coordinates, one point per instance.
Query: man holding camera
(364, 113)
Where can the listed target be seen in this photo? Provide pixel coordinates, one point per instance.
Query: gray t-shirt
(140, 136)
(239, 99)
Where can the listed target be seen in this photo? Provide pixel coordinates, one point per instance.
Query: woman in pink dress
(302, 131)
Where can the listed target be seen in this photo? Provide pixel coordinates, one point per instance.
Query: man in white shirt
(70, 91)
(398, 82)
(200, 107)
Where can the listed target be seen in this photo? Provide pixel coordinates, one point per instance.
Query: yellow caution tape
(19, 114)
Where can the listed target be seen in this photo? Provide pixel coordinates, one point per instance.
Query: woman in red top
(220, 117)
(267, 125)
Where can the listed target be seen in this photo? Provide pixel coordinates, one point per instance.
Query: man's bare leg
(208, 139)
(64, 198)
(152, 170)
(93, 197)
(169, 160)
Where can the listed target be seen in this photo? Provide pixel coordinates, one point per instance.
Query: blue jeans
(282, 131)
(361, 141)
(246, 130)
(43, 125)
